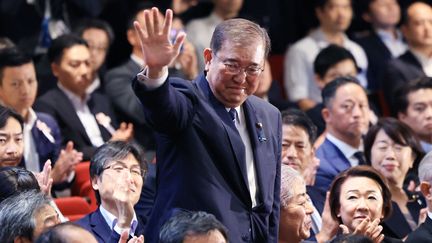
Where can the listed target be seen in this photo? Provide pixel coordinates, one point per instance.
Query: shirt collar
(137, 60)
(345, 148)
(111, 220)
(321, 40)
(423, 59)
(94, 85)
(73, 97)
(429, 213)
(388, 36)
(31, 119)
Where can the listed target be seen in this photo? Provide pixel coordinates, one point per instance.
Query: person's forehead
(130, 160)
(253, 51)
(294, 129)
(355, 92)
(420, 95)
(76, 52)
(24, 70)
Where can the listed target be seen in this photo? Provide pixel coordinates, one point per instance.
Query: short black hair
(329, 91)
(296, 117)
(58, 46)
(12, 57)
(330, 56)
(16, 179)
(189, 223)
(100, 24)
(321, 3)
(400, 98)
(5, 42)
(56, 234)
(6, 113)
(114, 150)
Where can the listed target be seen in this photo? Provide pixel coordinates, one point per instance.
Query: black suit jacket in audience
(422, 234)
(399, 71)
(58, 105)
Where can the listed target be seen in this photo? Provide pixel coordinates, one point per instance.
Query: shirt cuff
(152, 83)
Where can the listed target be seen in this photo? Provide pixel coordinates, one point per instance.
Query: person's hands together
(367, 228)
(66, 162)
(154, 35)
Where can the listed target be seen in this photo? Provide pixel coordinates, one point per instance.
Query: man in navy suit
(218, 146)
(117, 171)
(42, 137)
(346, 113)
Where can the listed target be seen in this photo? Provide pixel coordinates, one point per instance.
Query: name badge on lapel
(46, 131)
(105, 121)
(261, 136)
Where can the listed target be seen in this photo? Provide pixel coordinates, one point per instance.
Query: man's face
(295, 219)
(122, 175)
(229, 88)
(418, 29)
(44, 218)
(74, 69)
(98, 42)
(18, 87)
(11, 143)
(335, 16)
(418, 115)
(348, 114)
(345, 67)
(297, 151)
(383, 13)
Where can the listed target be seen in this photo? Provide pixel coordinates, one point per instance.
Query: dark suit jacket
(399, 71)
(201, 159)
(44, 147)
(96, 224)
(378, 56)
(127, 106)
(422, 234)
(57, 104)
(332, 162)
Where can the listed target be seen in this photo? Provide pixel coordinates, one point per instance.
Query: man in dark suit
(415, 63)
(42, 137)
(424, 232)
(346, 113)
(218, 147)
(117, 171)
(86, 119)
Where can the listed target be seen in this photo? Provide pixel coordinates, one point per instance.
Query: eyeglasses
(120, 168)
(234, 68)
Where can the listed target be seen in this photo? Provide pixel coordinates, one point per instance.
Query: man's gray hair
(289, 178)
(17, 215)
(425, 168)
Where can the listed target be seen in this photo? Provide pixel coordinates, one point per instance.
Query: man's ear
(208, 56)
(54, 69)
(401, 116)
(325, 114)
(21, 239)
(425, 188)
(94, 183)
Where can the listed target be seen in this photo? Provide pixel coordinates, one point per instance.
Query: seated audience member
(25, 215)
(41, 134)
(188, 227)
(384, 41)
(346, 113)
(86, 119)
(66, 233)
(99, 36)
(117, 171)
(334, 19)
(359, 200)
(331, 62)
(413, 106)
(424, 232)
(415, 62)
(392, 149)
(16, 179)
(295, 220)
(199, 31)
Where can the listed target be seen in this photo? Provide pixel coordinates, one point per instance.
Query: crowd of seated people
(356, 120)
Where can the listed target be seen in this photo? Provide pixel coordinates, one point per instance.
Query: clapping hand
(44, 180)
(367, 228)
(66, 162)
(158, 51)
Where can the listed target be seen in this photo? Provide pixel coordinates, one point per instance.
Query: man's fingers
(344, 229)
(69, 146)
(142, 34)
(167, 22)
(148, 22)
(155, 13)
(124, 236)
(179, 41)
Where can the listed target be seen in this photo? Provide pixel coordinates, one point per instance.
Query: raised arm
(154, 35)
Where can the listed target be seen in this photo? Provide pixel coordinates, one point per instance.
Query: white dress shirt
(425, 61)
(111, 220)
(396, 45)
(31, 155)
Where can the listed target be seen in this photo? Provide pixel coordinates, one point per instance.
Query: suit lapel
(340, 162)
(95, 108)
(99, 225)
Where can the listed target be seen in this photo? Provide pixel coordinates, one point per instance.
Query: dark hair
(99, 24)
(60, 44)
(238, 31)
(329, 90)
(138, 9)
(6, 113)
(56, 233)
(6, 43)
(115, 150)
(296, 117)
(359, 171)
(12, 57)
(400, 97)
(17, 215)
(400, 133)
(329, 57)
(351, 238)
(186, 223)
(320, 3)
(16, 179)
